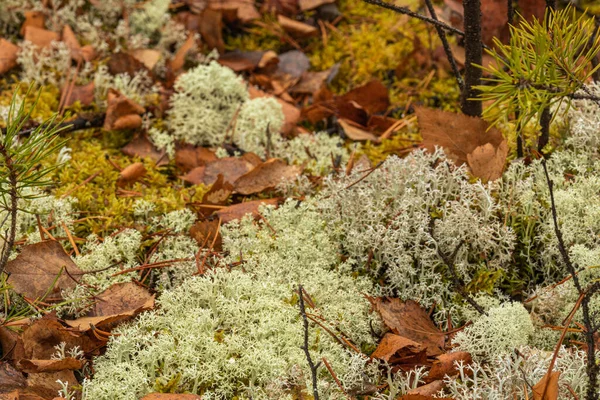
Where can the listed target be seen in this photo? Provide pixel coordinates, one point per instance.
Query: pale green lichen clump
(239, 333)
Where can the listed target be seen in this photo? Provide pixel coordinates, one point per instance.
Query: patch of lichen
(105, 207)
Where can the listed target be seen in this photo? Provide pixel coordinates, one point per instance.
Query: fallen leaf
(120, 302)
(34, 271)
(373, 97)
(230, 167)
(445, 365)
(10, 378)
(69, 38)
(293, 63)
(131, 173)
(210, 23)
(236, 10)
(178, 60)
(131, 121)
(291, 113)
(306, 5)
(40, 37)
(428, 389)
(141, 146)
(266, 176)
(40, 338)
(45, 384)
(67, 363)
(124, 63)
(148, 57)
(83, 94)
(119, 106)
(394, 347)
(35, 19)
(408, 319)
(12, 344)
(8, 55)
(297, 28)
(188, 157)
(551, 381)
(461, 135)
(206, 233)
(171, 396)
(237, 211)
(355, 131)
(240, 61)
(219, 192)
(311, 82)
(285, 7)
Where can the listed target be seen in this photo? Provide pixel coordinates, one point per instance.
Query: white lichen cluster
(316, 152)
(45, 66)
(395, 221)
(239, 333)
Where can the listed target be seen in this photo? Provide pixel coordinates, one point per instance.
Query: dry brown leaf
(141, 146)
(306, 5)
(120, 302)
(40, 338)
(40, 37)
(373, 97)
(230, 167)
(31, 366)
(266, 176)
(408, 319)
(35, 269)
(88, 52)
(171, 396)
(428, 389)
(355, 131)
(551, 392)
(178, 60)
(445, 365)
(188, 157)
(119, 106)
(487, 162)
(218, 193)
(131, 121)
(131, 173)
(237, 211)
(285, 7)
(460, 135)
(291, 113)
(206, 232)
(311, 82)
(69, 38)
(240, 61)
(236, 10)
(393, 347)
(83, 94)
(297, 28)
(8, 56)
(24, 394)
(124, 63)
(12, 344)
(210, 23)
(33, 18)
(148, 57)
(45, 384)
(10, 378)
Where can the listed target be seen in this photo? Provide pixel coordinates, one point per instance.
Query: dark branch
(313, 367)
(77, 124)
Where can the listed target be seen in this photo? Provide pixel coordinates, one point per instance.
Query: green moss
(400, 144)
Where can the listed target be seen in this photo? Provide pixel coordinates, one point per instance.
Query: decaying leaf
(230, 167)
(124, 63)
(266, 176)
(10, 378)
(33, 18)
(188, 157)
(34, 271)
(408, 319)
(40, 37)
(428, 389)
(395, 347)
(12, 344)
(131, 173)
(141, 146)
(119, 303)
(118, 107)
(373, 97)
(83, 94)
(148, 57)
(40, 338)
(237, 211)
(176, 63)
(171, 396)
(550, 380)
(355, 131)
(206, 233)
(445, 364)
(463, 138)
(67, 363)
(236, 10)
(45, 384)
(8, 55)
(218, 193)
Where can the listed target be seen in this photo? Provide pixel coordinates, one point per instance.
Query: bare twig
(313, 367)
(12, 209)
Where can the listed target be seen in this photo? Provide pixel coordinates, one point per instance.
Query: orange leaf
(551, 392)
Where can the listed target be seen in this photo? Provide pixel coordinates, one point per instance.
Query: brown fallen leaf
(243, 11)
(120, 302)
(148, 57)
(218, 193)
(69, 38)
(33, 272)
(237, 211)
(206, 233)
(355, 131)
(45, 384)
(266, 176)
(297, 28)
(124, 63)
(230, 167)
(408, 319)
(31, 366)
(83, 94)
(131, 173)
(306, 5)
(40, 338)
(291, 113)
(33, 18)
(10, 378)
(131, 121)
(210, 23)
(240, 61)
(551, 381)
(23, 394)
(461, 135)
(40, 37)
(188, 157)
(141, 146)
(373, 97)
(171, 396)
(8, 55)
(118, 106)
(275, 7)
(445, 365)
(12, 344)
(178, 60)
(394, 347)
(428, 389)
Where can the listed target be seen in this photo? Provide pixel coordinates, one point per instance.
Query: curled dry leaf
(40, 37)
(43, 334)
(373, 97)
(356, 132)
(177, 62)
(119, 106)
(120, 302)
(445, 364)
(67, 363)
(551, 381)
(395, 347)
(408, 319)
(12, 344)
(8, 56)
(34, 271)
(131, 173)
(466, 140)
(219, 192)
(188, 157)
(131, 121)
(266, 176)
(237, 211)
